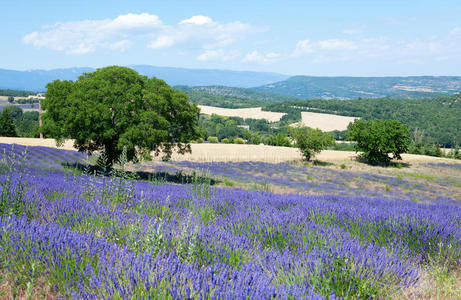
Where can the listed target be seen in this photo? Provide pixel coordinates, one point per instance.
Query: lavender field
(246, 230)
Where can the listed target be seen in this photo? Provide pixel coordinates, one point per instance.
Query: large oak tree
(115, 108)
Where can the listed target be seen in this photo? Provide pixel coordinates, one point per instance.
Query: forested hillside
(439, 118)
(231, 97)
(15, 93)
(311, 87)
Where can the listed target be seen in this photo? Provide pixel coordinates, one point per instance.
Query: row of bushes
(214, 140)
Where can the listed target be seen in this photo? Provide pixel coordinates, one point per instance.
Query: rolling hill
(243, 93)
(231, 97)
(436, 119)
(311, 87)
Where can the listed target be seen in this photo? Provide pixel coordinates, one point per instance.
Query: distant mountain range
(257, 86)
(36, 80)
(311, 87)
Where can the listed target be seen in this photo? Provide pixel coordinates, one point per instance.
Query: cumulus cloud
(132, 21)
(200, 30)
(124, 31)
(197, 20)
(257, 57)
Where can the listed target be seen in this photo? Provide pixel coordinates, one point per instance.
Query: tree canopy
(7, 127)
(377, 138)
(115, 108)
(311, 141)
(438, 118)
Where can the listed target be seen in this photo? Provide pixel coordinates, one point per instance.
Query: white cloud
(207, 35)
(416, 50)
(308, 47)
(131, 21)
(197, 20)
(121, 45)
(257, 57)
(90, 35)
(335, 44)
(120, 33)
(162, 42)
(217, 55)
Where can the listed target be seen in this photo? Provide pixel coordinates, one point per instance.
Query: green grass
(417, 175)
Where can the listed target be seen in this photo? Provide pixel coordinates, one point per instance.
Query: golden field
(245, 113)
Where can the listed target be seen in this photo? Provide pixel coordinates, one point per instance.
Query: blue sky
(330, 37)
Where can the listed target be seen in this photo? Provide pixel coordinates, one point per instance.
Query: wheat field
(325, 122)
(245, 113)
(235, 152)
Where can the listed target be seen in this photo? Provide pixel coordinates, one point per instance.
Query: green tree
(281, 139)
(28, 126)
(230, 130)
(212, 139)
(7, 127)
(15, 112)
(115, 108)
(311, 141)
(10, 99)
(377, 138)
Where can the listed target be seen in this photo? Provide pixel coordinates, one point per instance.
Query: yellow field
(234, 152)
(245, 113)
(68, 145)
(325, 122)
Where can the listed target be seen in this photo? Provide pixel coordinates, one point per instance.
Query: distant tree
(212, 139)
(311, 141)
(15, 112)
(230, 129)
(239, 141)
(252, 137)
(281, 139)
(115, 108)
(29, 126)
(258, 124)
(377, 138)
(7, 127)
(10, 99)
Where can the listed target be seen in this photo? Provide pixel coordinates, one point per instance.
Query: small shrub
(212, 139)
(239, 141)
(228, 182)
